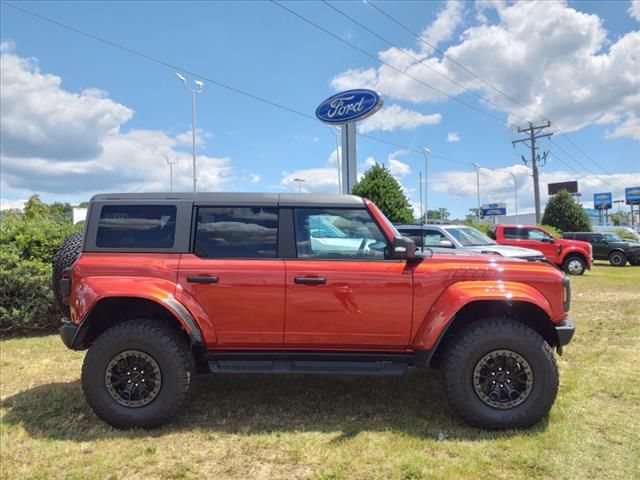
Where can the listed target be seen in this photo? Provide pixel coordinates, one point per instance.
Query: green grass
(330, 427)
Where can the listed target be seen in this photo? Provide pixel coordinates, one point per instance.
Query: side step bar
(323, 363)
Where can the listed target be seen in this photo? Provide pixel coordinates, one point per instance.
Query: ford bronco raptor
(161, 286)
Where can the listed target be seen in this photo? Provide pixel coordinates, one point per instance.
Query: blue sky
(80, 117)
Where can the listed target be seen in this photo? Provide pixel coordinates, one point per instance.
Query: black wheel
(499, 373)
(137, 374)
(574, 265)
(617, 259)
(65, 257)
(635, 262)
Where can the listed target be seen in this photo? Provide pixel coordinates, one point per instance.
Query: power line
(372, 56)
(483, 80)
(417, 60)
(205, 78)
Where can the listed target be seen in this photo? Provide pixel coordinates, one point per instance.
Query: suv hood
(506, 251)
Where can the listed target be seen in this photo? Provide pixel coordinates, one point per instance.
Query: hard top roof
(238, 199)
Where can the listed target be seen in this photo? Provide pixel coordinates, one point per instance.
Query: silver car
(461, 238)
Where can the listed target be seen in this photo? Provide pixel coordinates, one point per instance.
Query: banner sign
(632, 195)
(349, 106)
(571, 187)
(602, 201)
(493, 209)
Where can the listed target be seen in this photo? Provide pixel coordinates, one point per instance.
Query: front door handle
(202, 279)
(310, 280)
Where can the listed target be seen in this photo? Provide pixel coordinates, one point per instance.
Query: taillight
(566, 294)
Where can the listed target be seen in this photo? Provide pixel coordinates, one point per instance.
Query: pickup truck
(609, 246)
(573, 256)
(163, 285)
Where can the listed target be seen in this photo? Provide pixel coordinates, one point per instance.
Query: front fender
(455, 297)
(88, 291)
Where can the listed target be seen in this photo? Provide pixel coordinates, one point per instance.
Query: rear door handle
(202, 279)
(310, 280)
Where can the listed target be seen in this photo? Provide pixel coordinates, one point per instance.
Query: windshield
(612, 237)
(470, 237)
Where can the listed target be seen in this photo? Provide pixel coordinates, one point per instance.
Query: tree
(565, 214)
(35, 208)
(379, 186)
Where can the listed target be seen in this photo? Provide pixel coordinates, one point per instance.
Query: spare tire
(64, 258)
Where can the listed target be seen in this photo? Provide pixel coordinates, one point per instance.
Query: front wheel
(137, 374)
(617, 259)
(574, 265)
(500, 374)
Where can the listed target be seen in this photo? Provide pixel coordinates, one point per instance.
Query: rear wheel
(617, 259)
(137, 374)
(574, 265)
(500, 374)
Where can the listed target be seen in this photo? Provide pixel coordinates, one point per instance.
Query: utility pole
(534, 134)
(478, 167)
(426, 153)
(420, 184)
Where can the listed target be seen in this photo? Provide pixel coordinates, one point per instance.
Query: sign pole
(349, 163)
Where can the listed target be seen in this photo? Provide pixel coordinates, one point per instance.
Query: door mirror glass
(445, 244)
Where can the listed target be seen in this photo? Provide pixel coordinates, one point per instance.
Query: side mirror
(403, 249)
(445, 244)
(552, 240)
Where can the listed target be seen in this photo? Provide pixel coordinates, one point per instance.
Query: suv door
(342, 291)
(235, 275)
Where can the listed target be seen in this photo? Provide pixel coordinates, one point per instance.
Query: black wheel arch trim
(73, 335)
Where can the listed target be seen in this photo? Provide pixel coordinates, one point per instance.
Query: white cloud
(555, 60)
(72, 146)
(443, 27)
(398, 169)
(629, 127)
(496, 185)
(6, 204)
(40, 119)
(634, 9)
(254, 178)
(394, 117)
(186, 138)
(316, 180)
(453, 137)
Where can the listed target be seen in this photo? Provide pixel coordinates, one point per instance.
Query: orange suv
(161, 286)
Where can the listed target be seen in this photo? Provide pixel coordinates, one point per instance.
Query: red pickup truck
(573, 256)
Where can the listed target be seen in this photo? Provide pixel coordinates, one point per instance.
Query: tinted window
(537, 235)
(337, 234)
(136, 226)
(585, 237)
(515, 233)
(237, 232)
(432, 238)
(413, 234)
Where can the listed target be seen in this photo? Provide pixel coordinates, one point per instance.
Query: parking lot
(331, 427)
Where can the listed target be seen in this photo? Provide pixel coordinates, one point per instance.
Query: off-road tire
(571, 260)
(168, 349)
(635, 262)
(64, 258)
(471, 345)
(617, 259)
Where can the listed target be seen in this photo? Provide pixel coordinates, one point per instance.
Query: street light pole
(171, 163)
(336, 132)
(299, 182)
(426, 153)
(194, 92)
(477, 187)
(515, 183)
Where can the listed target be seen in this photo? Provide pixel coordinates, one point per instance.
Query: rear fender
(88, 291)
(455, 297)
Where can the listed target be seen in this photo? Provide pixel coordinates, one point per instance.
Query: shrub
(552, 230)
(563, 213)
(27, 245)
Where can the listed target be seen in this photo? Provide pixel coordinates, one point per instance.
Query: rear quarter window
(136, 226)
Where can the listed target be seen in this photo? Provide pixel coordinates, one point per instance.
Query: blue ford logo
(349, 106)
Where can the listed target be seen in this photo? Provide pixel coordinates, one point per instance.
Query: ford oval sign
(349, 106)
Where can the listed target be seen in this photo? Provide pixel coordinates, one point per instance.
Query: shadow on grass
(413, 404)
